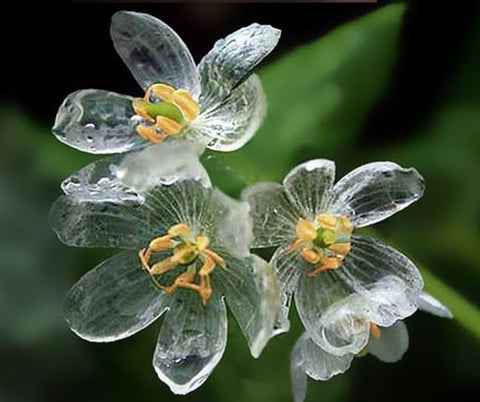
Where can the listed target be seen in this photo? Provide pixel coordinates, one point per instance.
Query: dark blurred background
(350, 82)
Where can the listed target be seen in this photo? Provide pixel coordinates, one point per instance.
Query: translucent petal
(100, 224)
(232, 59)
(98, 122)
(153, 52)
(308, 184)
(392, 344)
(228, 224)
(191, 341)
(113, 301)
(230, 124)
(251, 290)
(375, 191)
(162, 164)
(375, 284)
(288, 268)
(428, 303)
(272, 215)
(307, 358)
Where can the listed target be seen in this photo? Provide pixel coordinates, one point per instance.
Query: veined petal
(229, 125)
(375, 284)
(392, 344)
(229, 224)
(98, 122)
(100, 224)
(113, 301)
(307, 186)
(288, 268)
(428, 303)
(251, 290)
(375, 191)
(272, 215)
(153, 52)
(232, 59)
(191, 342)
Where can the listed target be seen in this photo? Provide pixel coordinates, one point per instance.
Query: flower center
(186, 251)
(325, 242)
(167, 113)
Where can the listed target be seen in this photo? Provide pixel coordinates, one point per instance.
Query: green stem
(464, 312)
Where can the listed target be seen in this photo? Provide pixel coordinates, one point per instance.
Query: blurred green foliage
(319, 98)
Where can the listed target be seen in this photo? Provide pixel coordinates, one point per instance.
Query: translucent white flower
(217, 103)
(187, 253)
(389, 345)
(344, 284)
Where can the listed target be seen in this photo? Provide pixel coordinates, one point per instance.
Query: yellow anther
(180, 229)
(167, 125)
(150, 133)
(375, 330)
(306, 230)
(138, 105)
(162, 91)
(189, 106)
(161, 244)
(327, 263)
(310, 256)
(185, 251)
(345, 224)
(327, 221)
(340, 248)
(202, 242)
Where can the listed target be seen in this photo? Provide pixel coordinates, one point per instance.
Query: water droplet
(89, 126)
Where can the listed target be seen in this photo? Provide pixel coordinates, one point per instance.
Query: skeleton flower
(187, 253)
(345, 285)
(217, 103)
(387, 344)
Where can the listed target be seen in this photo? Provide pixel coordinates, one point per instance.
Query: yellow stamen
(167, 125)
(340, 248)
(162, 91)
(150, 134)
(375, 330)
(189, 106)
(327, 221)
(139, 108)
(327, 264)
(185, 251)
(311, 256)
(306, 230)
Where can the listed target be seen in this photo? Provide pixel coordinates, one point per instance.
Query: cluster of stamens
(187, 251)
(167, 114)
(325, 242)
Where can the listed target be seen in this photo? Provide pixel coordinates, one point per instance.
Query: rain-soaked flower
(388, 344)
(218, 103)
(345, 284)
(187, 253)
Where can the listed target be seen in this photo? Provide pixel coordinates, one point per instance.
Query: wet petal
(428, 303)
(375, 284)
(251, 290)
(191, 341)
(98, 122)
(288, 268)
(309, 359)
(232, 59)
(373, 192)
(229, 224)
(392, 344)
(229, 125)
(308, 184)
(272, 215)
(100, 224)
(113, 301)
(153, 52)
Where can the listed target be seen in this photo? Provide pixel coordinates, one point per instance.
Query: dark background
(52, 52)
